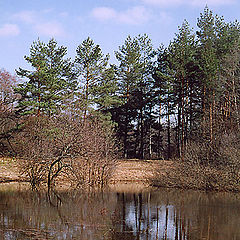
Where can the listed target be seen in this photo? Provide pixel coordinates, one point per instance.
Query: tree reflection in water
(163, 214)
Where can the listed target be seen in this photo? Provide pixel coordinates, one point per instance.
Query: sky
(107, 22)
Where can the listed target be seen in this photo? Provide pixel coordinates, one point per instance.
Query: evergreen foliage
(49, 84)
(97, 82)
(160, 101)
(136, 90)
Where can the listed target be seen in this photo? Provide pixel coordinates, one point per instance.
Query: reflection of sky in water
(149, 223)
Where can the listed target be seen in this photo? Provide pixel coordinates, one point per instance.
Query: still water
(162, 214)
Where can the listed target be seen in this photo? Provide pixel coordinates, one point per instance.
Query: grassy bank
(138, 175)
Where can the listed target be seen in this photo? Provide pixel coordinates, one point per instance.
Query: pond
(159, 214)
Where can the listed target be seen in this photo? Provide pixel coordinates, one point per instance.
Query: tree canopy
(159, 100)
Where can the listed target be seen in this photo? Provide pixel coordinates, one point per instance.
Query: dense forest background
(177, 101)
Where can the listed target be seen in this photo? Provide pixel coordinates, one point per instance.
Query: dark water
(163, 214)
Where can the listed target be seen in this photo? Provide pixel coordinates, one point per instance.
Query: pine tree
(146, 108)
(50, 84)
(135, 81)
(209, 66)
(105, 91)
(228, 90)
(128, 73)
(95, 80)
(182, 52)
(163, 83)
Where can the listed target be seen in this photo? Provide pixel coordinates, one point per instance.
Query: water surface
(162, 214)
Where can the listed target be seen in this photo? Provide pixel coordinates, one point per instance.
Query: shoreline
(126, 171)
(133, 175)
(128, 175)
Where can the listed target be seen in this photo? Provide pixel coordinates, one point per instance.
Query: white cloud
(104, 13)
(51, 29)
(163, 2)
(38, 22)
(210, 2)
(169, 3)
(9, 30)
(165, 18)
(134, 16)
(63, 14)
(48, 10)
(26, 16)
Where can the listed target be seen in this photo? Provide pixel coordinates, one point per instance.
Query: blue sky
(107, 22)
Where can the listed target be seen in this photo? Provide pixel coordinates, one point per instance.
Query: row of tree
(157, 100)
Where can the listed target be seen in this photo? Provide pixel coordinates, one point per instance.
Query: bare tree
(8, 120)
(64, 145)
(94, 165)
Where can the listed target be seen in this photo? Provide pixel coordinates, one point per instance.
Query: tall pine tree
(51, 82)
(96, 83)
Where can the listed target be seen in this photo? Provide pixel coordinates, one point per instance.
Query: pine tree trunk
(86, 96)
(168, 134)
(141, 134)
(126, 126)
(178, 131)
(211, 121)
(39, 101)
(159, 130)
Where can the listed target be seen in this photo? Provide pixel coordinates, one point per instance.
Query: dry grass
(139, 172)
(129, 175)
(9, 170)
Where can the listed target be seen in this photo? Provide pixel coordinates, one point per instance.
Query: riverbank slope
(126, 171)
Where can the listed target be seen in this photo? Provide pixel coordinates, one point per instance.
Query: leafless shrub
(49, 148)
(7, 95)
(8, 120)
(200, 177)
(36, 149)
(207, 165)
(94, 166)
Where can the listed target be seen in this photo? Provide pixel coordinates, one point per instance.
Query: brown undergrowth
(127, 174)
(198, 177)
(136, 175)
